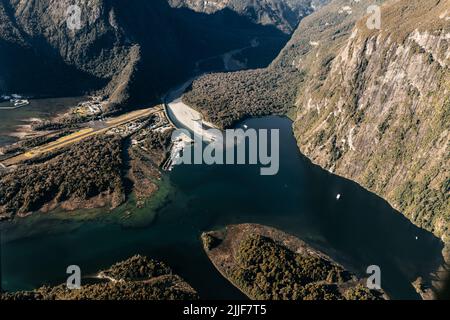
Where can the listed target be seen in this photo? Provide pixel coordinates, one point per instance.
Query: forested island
(138, 278)
(268, 264)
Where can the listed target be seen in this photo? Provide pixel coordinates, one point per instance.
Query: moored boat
(19, 102)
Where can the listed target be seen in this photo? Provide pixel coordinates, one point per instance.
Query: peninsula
(268, 264)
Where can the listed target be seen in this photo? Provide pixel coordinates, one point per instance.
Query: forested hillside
(370, 105)
(138, 278)
(228, 97)
(130, 52)
(378, 112)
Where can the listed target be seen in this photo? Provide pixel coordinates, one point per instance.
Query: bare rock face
(371, 105)
(225, 98)
(283, 14)
(378, 111)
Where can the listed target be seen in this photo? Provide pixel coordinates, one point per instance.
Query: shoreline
(13, 108)
(185, 116)
(23, 129)
(222, 255)
(223, 274)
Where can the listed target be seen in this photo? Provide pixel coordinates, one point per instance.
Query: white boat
(19, 102)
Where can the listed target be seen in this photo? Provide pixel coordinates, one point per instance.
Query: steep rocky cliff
(379, 111)
(225, 98)
(284, 14)
(372, 105)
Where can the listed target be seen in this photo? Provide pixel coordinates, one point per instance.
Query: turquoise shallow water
(358, 230)
(38, 108)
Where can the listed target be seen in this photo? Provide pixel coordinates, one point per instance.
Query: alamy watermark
(231, 147)
(74, 280)
(73, 17)
(374, 20)
(374, 281)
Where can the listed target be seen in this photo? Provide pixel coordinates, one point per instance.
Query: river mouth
(358, 230)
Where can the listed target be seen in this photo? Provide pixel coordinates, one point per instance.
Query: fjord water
(358, 230)
(42, 109)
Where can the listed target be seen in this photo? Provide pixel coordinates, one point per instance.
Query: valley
(300, 200)
(369, 105)
(364, 164)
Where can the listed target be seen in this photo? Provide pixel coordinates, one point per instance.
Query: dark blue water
(359, 230)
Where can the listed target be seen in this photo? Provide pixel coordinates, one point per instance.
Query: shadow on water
(358, 230)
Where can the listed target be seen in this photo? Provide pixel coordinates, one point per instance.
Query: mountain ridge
(283, 14)
(382, 110)
(337, 63)
(119, 51)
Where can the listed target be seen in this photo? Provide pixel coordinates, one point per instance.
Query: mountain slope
(381, 115)
(225, 98)
(285, 14)
(137, 49)
(369, 105)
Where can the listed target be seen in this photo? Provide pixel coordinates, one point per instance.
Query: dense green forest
(225, 98)
(158, 145)
(266, 270)
(138, 278)
(137, 268)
